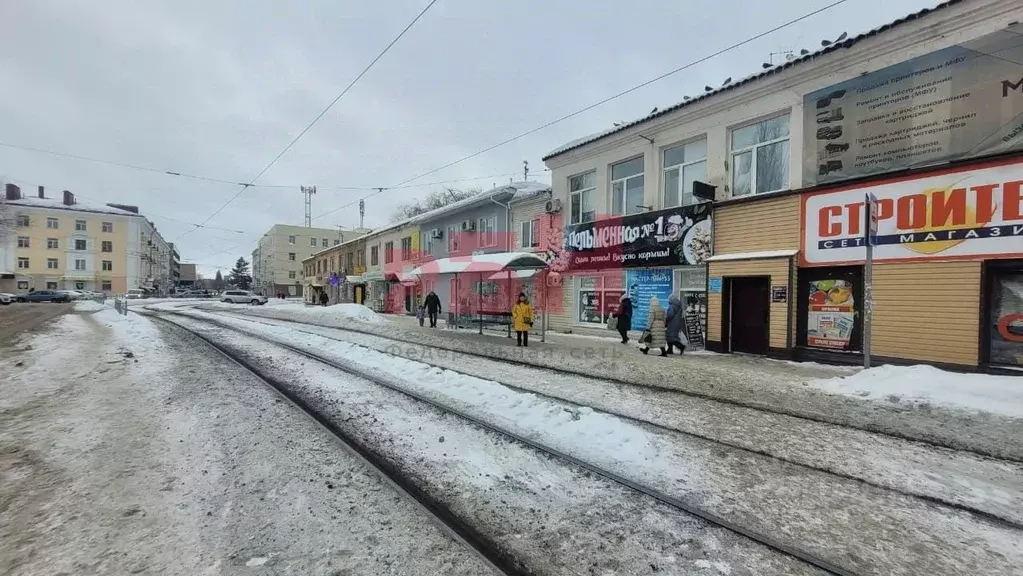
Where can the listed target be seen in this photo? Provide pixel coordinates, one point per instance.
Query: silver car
(242, 297)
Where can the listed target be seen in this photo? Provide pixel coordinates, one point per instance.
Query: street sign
(870, 202)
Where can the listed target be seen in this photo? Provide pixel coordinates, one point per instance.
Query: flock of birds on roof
(825, 43)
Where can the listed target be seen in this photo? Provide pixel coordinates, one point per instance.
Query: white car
(134, 294)
(6, 298)
(242, 297)
(73, 294)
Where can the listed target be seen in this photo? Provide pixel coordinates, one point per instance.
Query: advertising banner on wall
(832, 314)
(961, 214)
(644, 285)
(673, 237)
(964, 101)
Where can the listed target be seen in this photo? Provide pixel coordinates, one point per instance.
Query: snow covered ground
(127, 449)
(805, 508)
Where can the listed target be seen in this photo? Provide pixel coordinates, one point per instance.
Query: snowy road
(863, 528)
(172, 461)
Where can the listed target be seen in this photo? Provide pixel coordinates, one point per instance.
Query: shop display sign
(1006, 338)
(962, 214)
(832, 314)
(961, 102)
(673, 237)
(644, 285)
(779, 294)
(715, 284)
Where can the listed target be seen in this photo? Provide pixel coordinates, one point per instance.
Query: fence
(121, 305)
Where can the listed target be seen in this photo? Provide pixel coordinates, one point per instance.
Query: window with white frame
(52, 243)
(453, 234)
(312, 242)
(80, 244)
(627, 187)
(52, 223)
(529, 236)
(52, 264)
(79, 264)
(80, 225)
(760, 157)
(23, 220)
(406, 248)
(291, 256)
(582, 198)
(425, 242)
(388, 252)
(108, 265)
(291, 274)
(487, 230)
(23, 241)
(108, 226)
(374, 255)
(291, 240)
(683, 165)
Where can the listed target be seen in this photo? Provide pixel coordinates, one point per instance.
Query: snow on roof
(847, 43)
(753, 255)
(58, 204)
(529, 190)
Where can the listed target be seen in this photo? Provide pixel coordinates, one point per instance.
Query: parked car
(44, 296)
(72, 294)
(6, 298)
(134, 294)
(243, 297)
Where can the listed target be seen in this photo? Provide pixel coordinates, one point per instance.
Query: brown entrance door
(750, 302)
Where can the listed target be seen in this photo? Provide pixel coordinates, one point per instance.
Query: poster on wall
(831, 315)
(644, 285)
(1006, 339)
(965, 213)
(961, 102)
(674, 237)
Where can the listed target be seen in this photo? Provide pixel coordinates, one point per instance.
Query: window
(597, 297)
(374, 255)
(52, 264)
(22, 262)
(107, 286)
(760, 157)
(406, 248)
(581, 190)
(529, 236)
(312, 242)
(326, 243)
(23, 241)
(488, 231)
(108, 226)
(80, 245)
(80, 225)
(291, 256)
(360, 258)
(388, 252)
(453, 239)
(683, 165)
(108, 266)
(627, 187)
(336, 242)
(291, 274)
(79, 264)
(23, 220)
(22, 285)
(108, 246)
(52, 224)
(291, 240)
(52, 243)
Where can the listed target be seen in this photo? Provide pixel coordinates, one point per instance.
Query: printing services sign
(955, 215)
(964, 101)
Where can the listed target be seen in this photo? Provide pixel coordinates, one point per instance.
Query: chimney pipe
(41, 195)
(13, 192)
(69, 198)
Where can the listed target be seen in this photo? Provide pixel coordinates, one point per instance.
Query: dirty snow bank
(336, 315)
(89, 306)
(920, 385)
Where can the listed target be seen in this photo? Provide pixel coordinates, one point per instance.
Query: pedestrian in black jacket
(625, 317)
(324, 298)
(432, 303)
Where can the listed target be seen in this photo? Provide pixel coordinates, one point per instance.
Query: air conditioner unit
(553, 206)
(436, 233)
(468, 225)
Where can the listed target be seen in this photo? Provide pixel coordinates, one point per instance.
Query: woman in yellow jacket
(522, 319)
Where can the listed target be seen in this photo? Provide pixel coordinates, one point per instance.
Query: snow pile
(917, 385)
(336, 315)
(89, 306)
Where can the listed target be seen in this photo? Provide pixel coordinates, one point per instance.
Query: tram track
(478, 541)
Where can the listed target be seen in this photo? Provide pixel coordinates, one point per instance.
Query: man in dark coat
(432, 303)
(324, 298)
(673, 324)
(625, 317)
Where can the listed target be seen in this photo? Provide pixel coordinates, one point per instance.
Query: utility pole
(308, 191)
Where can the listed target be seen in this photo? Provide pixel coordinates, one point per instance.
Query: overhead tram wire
(320, 115)
(604, 101)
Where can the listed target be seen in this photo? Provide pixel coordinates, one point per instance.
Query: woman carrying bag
(654, 336)
(522, 320)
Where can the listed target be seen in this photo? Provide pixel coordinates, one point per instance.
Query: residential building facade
(277, 261)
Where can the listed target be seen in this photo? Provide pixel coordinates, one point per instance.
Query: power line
(320, 115)
(625, 92)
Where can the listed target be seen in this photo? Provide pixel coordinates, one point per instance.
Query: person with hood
(324, 298)
(522, 320)
(655, 328)
(624, 316)
(673, 324)
(432, 304)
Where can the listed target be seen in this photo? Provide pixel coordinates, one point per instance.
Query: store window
(627, 182)
(597, 297)
(50, 286)
(23, 285)
(107, 286)
(830, 302)
(581, 195)
(692, 292)
(684, 165)
(760, 157)
(1005, 345)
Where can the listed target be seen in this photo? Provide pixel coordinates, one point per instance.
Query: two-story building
(390, 253)
(905, 138)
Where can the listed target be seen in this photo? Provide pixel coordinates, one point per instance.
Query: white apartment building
(277, 260)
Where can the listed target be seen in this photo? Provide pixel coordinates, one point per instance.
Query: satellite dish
(790, 56)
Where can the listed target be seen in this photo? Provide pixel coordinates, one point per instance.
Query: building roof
(847, 43)
(58, 204)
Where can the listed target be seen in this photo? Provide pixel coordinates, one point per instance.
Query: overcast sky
(218, 87)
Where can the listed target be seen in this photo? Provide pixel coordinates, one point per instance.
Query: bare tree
(434, 200)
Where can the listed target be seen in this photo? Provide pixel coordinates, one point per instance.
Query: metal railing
(121, 305)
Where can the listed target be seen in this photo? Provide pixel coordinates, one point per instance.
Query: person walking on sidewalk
(432, 304)
(655, 328)
(324, 298)
(624, 317)
(522, 320)
(673, 324)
